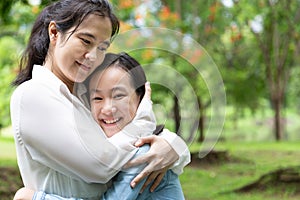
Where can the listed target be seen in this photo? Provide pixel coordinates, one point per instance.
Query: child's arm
(121, 188)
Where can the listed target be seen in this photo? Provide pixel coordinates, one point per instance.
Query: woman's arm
(58, 133)
(120, 188)
(62, 136)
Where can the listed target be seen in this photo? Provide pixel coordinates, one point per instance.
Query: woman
(116, 89)
(56, 138)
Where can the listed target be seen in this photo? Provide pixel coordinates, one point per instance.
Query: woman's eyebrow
(114, 89)
(88, 35)
(119, 88)
(106, 42)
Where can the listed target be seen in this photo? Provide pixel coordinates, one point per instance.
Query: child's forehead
(111, 77)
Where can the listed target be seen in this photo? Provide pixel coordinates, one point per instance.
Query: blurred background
(254, 47)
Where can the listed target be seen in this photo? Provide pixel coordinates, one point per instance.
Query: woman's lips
(84, 67)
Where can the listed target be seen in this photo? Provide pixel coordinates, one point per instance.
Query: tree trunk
(277, 119)
(201, 121)
(177, 116)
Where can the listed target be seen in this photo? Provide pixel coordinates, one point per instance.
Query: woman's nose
(91, 54)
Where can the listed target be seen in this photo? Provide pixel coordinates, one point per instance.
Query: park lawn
(249, 162)
(217, 180)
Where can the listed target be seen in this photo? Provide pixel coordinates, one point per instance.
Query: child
(116, 91)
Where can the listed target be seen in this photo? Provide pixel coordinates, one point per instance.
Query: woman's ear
(52, 31)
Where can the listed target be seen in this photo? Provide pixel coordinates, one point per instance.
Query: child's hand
(147, 90)
(24, 194)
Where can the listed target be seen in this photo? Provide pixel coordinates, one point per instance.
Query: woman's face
(113, 99)
(74, 56)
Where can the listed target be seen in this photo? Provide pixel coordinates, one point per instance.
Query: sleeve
(40, 195)
(63, 136)
(121, 188)
(181, 149)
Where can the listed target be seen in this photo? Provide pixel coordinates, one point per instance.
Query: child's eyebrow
(114, 89)
(95, 91)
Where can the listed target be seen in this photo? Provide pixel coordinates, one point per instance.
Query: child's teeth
(111, 121)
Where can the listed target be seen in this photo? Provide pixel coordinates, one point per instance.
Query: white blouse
(60, 147)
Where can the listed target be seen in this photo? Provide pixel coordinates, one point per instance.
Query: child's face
(113, 99)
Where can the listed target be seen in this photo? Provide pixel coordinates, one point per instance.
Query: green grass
(217, 181)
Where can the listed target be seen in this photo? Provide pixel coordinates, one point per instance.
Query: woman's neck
(59, 74)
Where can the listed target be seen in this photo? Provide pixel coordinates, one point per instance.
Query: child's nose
(108, 108)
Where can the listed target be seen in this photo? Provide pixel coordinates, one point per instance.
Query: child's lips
(111, 121)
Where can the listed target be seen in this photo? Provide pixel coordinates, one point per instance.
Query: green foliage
(293, 92)
(15, 26)
(224, 32)
(9, 50)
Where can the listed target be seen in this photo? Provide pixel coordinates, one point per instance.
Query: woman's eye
(119, 96)
(102, 48)
(86, 41)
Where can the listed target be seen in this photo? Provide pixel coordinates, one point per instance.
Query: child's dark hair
(128, 64)
(66, 14)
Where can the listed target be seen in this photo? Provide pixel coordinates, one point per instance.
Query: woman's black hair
(128, 64)
(66, 14)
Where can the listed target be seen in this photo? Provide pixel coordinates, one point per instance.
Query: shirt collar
(42, 73)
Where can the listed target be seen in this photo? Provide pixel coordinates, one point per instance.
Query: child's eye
(97, 98)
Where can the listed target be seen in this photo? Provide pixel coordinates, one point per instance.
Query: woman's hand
(159, 157)
(156, 177)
